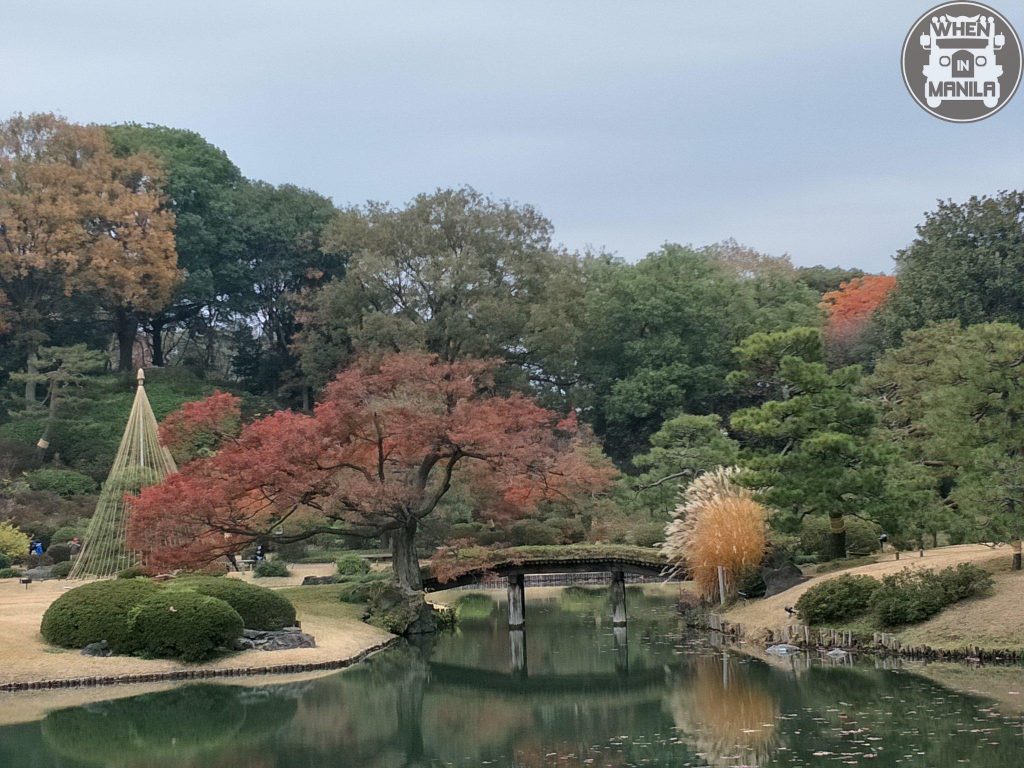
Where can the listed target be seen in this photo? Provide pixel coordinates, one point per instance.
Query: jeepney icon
(962, 60)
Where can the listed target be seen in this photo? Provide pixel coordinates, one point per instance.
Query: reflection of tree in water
(168, 728)
(725, 711)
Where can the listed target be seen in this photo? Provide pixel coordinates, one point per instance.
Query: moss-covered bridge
(476, 566)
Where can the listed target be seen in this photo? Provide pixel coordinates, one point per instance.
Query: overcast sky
(784, 125)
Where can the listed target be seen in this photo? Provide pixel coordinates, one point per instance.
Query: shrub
(59, 553)
(271, 568)
(182, 624)
(61, 570)
(13, 543)
(352, 565)
(63, 482)
(525, 533)
(9, 573)
(132, 572)
(259, 607)
(965, 580)
(66, 533)
(838, 599)
(911, 596)
(358, 589)
(815, 537)
(95, 612)
(5, 561)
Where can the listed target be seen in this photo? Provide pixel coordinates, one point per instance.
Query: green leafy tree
(967, 264)
(658, 336)
(199, 187)
(280, 234)
(454, 273)
(685, 446)
(815, 451)
(59, 369)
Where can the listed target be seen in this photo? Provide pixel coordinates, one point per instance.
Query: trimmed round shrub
(267, 568)
(259, 607)
(63, 482)
(9, 573)
(182, 624)
(358, 589)
(61, 570)
(132, 572)
(96, 612)
(838, 599)
(911, 596)
(59, 553)
(352, 565)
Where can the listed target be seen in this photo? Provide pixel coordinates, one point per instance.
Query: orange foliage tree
(375, 458)
(75, 218)
(851, 307)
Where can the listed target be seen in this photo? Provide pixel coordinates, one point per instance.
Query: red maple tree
(378, 454)
(851, 307)
(198, 428)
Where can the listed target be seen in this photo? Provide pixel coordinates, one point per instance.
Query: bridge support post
(516, 601)
(517, 641)
(618, 591)
(621, 642)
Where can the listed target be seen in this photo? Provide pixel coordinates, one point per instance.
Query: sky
(629, 124)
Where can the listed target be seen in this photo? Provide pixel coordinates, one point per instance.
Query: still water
(576, 695)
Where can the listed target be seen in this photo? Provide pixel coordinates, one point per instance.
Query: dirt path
(759, 615)
(24, 656)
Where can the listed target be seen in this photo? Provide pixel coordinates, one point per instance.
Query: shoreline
(201, 673)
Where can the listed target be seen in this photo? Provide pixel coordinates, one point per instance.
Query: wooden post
(516, 601)
(618, 591)
(721, 584)
(517, 642)
(621, 642)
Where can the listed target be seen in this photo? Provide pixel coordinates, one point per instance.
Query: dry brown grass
(990, 622)
(25, 656)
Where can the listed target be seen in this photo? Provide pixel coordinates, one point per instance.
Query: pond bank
(978, 629)
(27, 662)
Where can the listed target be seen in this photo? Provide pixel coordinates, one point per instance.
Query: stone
(276, 640)
(312, 581)
(780, 579)
(782, 649)
(97, 649)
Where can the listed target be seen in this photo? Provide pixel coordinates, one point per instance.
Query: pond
(572, 692)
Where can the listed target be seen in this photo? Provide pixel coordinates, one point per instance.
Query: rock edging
(880, 643)
(196, 674)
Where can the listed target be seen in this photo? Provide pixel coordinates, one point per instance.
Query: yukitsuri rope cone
(140, 461)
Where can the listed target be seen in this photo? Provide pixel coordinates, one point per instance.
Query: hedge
(182, 624)
(259, 607)
(838, 599)
(95, 612)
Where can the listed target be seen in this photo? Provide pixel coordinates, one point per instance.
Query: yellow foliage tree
(13, 543)
(75, 218)
(717, 523)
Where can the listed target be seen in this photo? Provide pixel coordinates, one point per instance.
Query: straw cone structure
(718, 523)
(140, 461)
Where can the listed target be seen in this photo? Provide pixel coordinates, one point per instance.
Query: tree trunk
(1016, 555)
(837, 536)
(31, 368)
(126, 326)
(44, 442)
(404, 560)
(156, 342)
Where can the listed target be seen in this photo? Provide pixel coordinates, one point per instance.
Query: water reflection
(570, 690)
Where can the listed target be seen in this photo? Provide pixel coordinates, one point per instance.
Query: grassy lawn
(322, 601)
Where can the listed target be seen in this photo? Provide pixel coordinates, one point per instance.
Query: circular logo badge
(962, 61)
